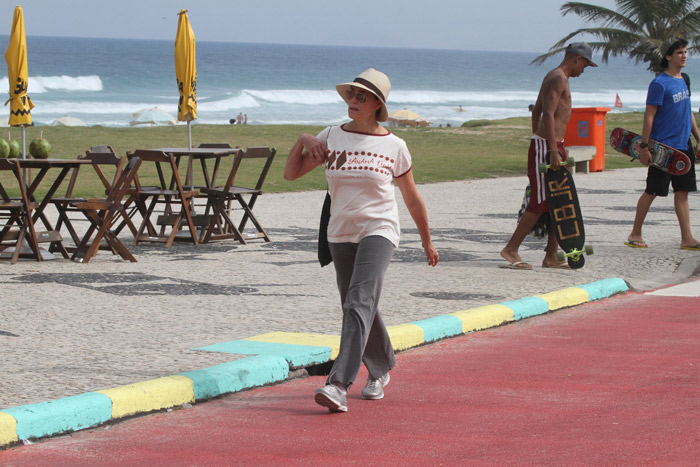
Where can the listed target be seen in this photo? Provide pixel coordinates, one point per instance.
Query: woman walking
(362, 159)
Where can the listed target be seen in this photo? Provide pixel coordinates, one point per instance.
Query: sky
(496, 25)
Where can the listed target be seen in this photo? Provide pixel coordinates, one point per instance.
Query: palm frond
(636, 28)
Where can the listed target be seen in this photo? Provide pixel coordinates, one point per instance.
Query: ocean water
(104, 81)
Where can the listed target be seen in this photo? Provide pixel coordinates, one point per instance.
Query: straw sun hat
(373, 81)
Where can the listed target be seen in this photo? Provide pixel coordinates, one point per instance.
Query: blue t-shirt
(672, 123)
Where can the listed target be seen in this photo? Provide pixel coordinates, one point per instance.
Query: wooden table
(203, 154)
(45, 165)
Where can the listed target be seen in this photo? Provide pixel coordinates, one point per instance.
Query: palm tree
(636, 29)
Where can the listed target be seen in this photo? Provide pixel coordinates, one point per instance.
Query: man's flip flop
(563, 265)
(693, 247)
(517, 265)
(638, 244)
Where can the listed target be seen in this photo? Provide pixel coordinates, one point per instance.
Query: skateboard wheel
(576, 263)
(589, 249)
(560, 256)
(570, 162)
(542, 167)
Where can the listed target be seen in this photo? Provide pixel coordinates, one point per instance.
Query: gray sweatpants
(360, 269)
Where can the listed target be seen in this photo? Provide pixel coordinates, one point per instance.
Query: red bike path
(614, 382)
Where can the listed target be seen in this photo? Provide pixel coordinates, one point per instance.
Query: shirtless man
(549, 119)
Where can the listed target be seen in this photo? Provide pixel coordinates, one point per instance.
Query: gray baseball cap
(581, 49)
(667, 45)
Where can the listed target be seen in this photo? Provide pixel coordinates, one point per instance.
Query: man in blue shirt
(669, 120)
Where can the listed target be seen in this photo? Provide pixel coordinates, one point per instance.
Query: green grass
(479, 149)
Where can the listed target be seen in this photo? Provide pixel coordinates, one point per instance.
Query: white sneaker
(374, 389)
(333, 397)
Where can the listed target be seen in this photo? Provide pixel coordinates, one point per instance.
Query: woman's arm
(416, 208)
(307, 153)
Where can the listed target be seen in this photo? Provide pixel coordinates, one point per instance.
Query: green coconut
(14, 148)
(4, 148)
(39, 148)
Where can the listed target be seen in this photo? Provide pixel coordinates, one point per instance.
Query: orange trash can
(586, 127)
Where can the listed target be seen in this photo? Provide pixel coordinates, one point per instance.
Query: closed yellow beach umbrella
(18, 73)
(186, 75)
(185, 69)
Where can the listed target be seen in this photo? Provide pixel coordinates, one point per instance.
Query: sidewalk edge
(91, 409)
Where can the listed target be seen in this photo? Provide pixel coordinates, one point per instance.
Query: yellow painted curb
(405, 336)
(484, 317)
(301, 338)
(8, 429)
(565, 298)
(147, 396)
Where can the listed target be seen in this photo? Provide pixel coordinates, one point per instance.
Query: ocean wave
(295, 96)
(44, 84)
(241, 101)
(77, 108)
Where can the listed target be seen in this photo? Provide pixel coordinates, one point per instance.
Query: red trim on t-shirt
(361, 133)
(409, 169)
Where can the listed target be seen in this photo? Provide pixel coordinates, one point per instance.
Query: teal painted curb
(527, 307)
(296, 355)
(237, 375)
(439, 327)
(604, 288)
(271, 364)
(61, 415)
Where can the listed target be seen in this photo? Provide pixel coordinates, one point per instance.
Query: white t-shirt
(360, 171)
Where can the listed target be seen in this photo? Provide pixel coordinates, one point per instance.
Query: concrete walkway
(68, 329)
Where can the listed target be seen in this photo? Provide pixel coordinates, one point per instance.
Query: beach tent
(186, 73)
(67, 120)
(408, 117)
(18, 76)
(153, 116)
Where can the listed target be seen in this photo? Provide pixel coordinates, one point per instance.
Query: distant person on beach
(549, 119)
(668, 119)
(245, 119)
(239, 118)
(362, 159)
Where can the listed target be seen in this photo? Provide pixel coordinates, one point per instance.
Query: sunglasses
(361, 96)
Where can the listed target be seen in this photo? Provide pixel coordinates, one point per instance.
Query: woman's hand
(314, 149)
(432, 254)
(307, 153)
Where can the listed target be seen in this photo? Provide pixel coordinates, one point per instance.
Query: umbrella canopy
(408, 117)
(185, 69)
(153, 116)
(18, 73)
(67, 120)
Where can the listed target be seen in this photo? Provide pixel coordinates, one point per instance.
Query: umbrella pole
(23, 155)
(190, 174)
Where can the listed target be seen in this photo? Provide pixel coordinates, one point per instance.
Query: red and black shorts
(537, 155)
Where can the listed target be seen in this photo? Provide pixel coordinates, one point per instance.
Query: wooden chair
(201, 221)
(101, 213)
(168, 192)
(221, 226)
(100, 156)
(16, 223)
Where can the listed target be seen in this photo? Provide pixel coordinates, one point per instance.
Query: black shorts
(658, 180)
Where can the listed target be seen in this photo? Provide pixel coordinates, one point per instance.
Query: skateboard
(565, 212)
(663, 157)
